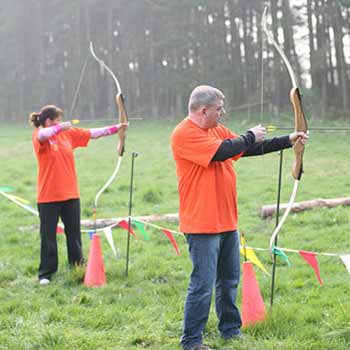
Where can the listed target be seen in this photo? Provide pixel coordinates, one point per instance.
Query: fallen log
(90, 224)
(270, 210)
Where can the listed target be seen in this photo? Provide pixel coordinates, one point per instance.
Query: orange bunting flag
(125, 225)
(172, 240)
(310, 258)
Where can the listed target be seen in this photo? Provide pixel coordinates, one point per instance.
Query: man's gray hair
(204, 96)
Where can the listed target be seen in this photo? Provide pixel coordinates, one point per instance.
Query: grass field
(144, 310)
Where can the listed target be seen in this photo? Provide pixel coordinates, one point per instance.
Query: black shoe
(238, 336)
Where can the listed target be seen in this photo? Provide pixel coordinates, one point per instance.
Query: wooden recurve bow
(300, 124)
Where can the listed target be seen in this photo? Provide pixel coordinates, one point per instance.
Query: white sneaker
(44, 281)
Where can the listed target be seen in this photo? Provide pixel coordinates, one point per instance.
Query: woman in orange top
(58, 196)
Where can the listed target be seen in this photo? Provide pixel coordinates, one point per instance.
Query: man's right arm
(232, 147)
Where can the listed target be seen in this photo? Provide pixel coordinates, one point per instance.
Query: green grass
(144, 310)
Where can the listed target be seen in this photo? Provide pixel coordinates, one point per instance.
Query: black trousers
(49, 214)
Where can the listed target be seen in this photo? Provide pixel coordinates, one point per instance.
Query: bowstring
(263, 48)
(77, 89)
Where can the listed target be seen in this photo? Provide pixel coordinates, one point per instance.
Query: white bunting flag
(108, 233)
(346, 261)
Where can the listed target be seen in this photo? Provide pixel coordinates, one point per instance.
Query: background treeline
(161, 49)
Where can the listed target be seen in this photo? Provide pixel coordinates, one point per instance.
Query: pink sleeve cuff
(113, 129)
(104, 131)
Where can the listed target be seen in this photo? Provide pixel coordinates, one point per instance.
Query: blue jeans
(215, 258)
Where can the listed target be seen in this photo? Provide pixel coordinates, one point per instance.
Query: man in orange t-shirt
(203, 150)
(54, 142)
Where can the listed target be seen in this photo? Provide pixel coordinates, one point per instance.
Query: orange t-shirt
(57, 179)
(207, 190)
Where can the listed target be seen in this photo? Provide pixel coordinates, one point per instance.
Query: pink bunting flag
(125, 225)
(59, 230)
(310, 258)
(172, 240)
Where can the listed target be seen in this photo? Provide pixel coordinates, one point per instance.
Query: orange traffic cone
(253, 308)
(95, 271)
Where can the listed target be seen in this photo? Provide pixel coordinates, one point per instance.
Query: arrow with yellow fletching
(272, 128)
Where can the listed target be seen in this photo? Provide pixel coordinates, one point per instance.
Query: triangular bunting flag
(30, 209)
(141, 228)
(125, 225)
(108, 233)
(172, 240)
(346, 261)
(91, 233)
(20, 199)
(310, 258)
(59, 229)
(6, 189)
(281, 254)
(15, 200)
(250, 255)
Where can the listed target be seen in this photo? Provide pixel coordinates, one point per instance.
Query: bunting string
(289, 250)
(24, 204)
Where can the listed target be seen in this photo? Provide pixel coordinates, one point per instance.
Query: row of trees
(160, 50)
